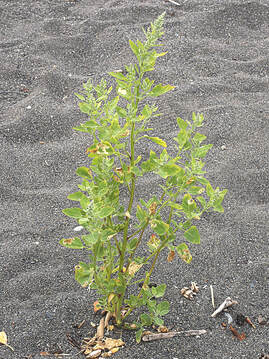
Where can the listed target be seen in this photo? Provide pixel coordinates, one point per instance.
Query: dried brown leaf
(162, 329)
(96, 306)
(113, 343)
(171, 256)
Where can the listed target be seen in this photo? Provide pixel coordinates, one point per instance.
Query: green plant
(117, 123)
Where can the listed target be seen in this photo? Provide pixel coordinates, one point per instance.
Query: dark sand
(219, 62)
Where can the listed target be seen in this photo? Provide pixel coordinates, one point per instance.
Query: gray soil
(218, 60)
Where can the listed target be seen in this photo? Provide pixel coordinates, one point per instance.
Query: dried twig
(186, 333)
(227, 303)
(212, 296)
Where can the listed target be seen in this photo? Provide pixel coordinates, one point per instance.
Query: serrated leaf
(163, 308)
(198, 138)
(184, 252)
(160, 90)
(170, 170)
(83, 274)
(145, 320)
(192, 235)
(159, 227)
(181, 123)
(158, 321)
(73, 212)
(159, 291)
(74, 243)
(105, 212)
(201, 151)
(157, 140)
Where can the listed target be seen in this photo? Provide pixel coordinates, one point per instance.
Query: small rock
(29, 107)
(261, 320)
(223, 147)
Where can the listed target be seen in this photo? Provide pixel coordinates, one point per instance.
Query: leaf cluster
(116, 123)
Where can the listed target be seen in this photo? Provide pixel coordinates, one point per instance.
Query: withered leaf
(3, 340)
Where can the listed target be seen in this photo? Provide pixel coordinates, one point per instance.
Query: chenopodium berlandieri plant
(115, 231)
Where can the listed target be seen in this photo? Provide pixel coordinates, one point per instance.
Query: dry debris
(226, 304)
(190, 292)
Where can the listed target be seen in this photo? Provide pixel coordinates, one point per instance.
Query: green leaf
(182, 124)
(202, 201)
(118, 75)
(77, 196)
(184, 252)
(134, 48)
(198, 138)
(160, 90)
(84, 107)
(170, 170)
(194, 190)
(209, 190)
(84, 172)
(192, 235)
(141, 215)
(105, 212)
(159, 291)
(73, 212)
(159, 227)
(201, 151)
(145, 320)
(83, 274)
(138, 335)
(158, 321)
(121, 112)
(157, 140)
(182, 137)
(74, 243)
(82, 98)
(163, 308)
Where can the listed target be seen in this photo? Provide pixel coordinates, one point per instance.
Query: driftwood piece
(185, 333)
(226, 304)
(100, 329)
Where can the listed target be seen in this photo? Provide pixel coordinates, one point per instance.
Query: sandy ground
(218, 61)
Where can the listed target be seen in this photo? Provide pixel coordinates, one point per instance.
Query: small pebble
(223, 147)
(29, 107)
(261, 320)
(78, 228)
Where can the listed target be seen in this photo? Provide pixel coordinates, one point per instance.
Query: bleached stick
(185, 333)
(212, 296)
(227, 303)
(173, 2)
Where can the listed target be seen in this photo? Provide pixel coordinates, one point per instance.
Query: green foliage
(117, 121)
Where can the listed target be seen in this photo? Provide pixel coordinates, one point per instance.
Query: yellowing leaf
(3, 340)
(110, 297)
(133, 268)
